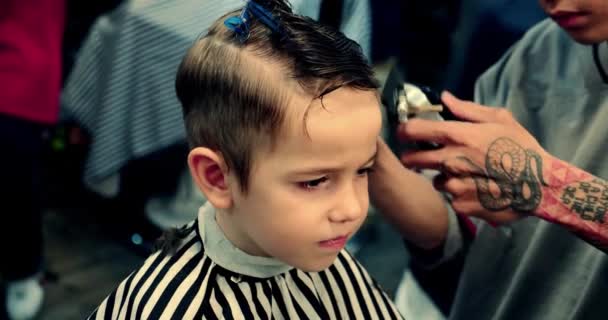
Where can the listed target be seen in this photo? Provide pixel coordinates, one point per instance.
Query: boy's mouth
(335, 243)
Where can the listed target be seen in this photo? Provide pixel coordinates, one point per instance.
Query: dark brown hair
(231, 102)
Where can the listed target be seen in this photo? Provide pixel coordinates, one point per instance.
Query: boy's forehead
(341, 115)
(304, 112)
(341, 132)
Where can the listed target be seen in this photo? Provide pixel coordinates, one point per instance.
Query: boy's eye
(364, 171)
(313, 184)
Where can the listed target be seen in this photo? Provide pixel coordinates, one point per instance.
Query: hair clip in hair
(240, 24)
(264, 16)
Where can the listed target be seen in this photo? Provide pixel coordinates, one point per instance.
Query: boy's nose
(350, 206)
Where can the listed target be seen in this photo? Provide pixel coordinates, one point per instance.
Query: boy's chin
(317, 266)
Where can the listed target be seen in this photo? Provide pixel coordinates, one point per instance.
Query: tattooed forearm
(587, 199)
(578, 201)
(511, 168)
(516, 178)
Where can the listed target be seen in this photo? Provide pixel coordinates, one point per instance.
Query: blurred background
(112, 159)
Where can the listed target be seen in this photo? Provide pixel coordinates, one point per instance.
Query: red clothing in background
(31, 33)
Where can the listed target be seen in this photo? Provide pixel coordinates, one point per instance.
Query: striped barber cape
(190, 285)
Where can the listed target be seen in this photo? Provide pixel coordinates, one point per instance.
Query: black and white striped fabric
(189, 285)
(121, 88)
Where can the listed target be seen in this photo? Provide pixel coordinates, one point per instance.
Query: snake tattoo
(510, 167)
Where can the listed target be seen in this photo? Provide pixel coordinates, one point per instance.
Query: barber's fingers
(431, 159)
(463, 195)
(461, 166)
(440, 132)
(473, 112)
(450, 160)
(473, 208)
(458, 187)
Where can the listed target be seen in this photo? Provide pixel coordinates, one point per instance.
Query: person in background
(30, 81)
(533, 174)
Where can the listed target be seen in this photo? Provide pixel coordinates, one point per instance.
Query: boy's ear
(210, 173)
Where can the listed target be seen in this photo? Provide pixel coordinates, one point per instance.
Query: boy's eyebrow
(330, 169)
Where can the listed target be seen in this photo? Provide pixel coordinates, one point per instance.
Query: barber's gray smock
(533, 269)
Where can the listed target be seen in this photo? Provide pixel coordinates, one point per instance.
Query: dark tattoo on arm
(513, 179)
(509, 166)
(588, 199)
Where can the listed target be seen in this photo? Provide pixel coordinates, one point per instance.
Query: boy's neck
(224, 253)
(235, 235)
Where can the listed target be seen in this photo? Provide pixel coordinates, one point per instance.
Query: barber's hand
(490, 164)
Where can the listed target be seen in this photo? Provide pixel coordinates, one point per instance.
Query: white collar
(229, 257)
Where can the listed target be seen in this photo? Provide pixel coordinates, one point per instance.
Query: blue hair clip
(240, 24)
(265, 17)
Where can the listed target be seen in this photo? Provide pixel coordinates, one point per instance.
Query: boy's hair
(230, 104)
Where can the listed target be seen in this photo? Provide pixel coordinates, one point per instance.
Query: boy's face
(586, 21)
(309, 195)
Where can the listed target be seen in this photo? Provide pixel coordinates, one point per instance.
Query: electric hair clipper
(404, 101)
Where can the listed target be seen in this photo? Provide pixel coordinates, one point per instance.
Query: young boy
(283, 118)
